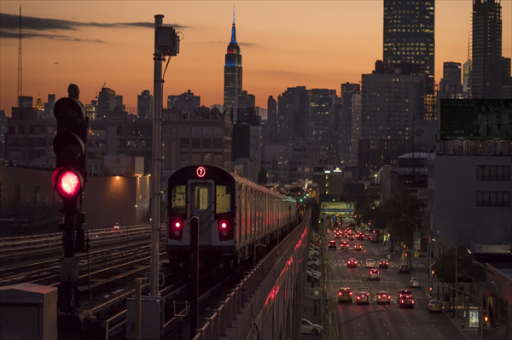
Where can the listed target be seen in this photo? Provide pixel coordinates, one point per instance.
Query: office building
(293, 113)
(321, 127)
(271, 130)
(487, 49)
(3, 132)
(345, 122)
(409, 36)
(232, 72)
(466, 79)
(355, 129)
(450, 87)
(106, 102)
(145, 105)
(25, 101)
(186, 102)
(246, 100)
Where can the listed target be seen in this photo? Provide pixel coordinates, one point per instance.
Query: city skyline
(294, 43)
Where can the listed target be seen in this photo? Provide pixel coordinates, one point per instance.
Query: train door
(202, 204)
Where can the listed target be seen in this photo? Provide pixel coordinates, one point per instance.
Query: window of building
(207, 131)
(184, 143)
(492, 173)
(217, 143)
(196, 143)
(17, 193)
(493, 198)
(184, 131)
(217, 131)
(196, 157)
(196, 130)
(207, 157)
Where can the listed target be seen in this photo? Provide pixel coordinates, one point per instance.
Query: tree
(444, 268)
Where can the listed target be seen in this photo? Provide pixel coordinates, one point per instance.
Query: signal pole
(68, 179)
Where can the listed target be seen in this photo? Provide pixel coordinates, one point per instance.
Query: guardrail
(231, 308)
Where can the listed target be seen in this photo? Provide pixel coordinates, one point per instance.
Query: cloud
(7, 34)
(9, 25)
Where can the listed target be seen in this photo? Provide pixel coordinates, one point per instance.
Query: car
(360, 237)
(374, 274)
(403, 269)
(314, 253)
(370, 263)
(351, 236)
(344, 295)
(331, 245)
(406, 301)
(374, 239)
(362, 298)
(311, 328)
(352, 262)
(383, 263)
(358, 247)
(383, 297)
(435, 305)
(403, 293)
(344, 245)
(313, 261)
(115, 228)
(415, 282)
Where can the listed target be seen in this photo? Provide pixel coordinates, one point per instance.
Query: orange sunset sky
(317, 44)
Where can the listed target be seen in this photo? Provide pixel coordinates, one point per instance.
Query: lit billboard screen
(476, 119)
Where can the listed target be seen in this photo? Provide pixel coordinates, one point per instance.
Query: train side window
(178, 203)
(223, 195)
(201, 198)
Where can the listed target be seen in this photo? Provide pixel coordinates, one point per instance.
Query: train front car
(207, 192)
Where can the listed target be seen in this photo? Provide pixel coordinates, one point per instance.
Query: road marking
(361, 332)
(384, 324)
(388, 333)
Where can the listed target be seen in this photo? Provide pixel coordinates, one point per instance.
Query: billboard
(476, 119)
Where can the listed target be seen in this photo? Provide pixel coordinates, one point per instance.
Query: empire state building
(232, 72)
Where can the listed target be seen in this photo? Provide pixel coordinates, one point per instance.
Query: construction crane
(105, 83)
(20, 85)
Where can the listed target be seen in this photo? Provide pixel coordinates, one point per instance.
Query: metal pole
(156, 174)
(194, 289)
(138, 313)
(456, 286)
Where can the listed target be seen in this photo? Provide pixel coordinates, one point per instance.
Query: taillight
(378, 296)
(225, 231)
(367, 294)
(339, 294)
(350, 293)
(412, 301)
(402, 301)
(355, 262)
(389, 297)
(358, 297)
(175, 229)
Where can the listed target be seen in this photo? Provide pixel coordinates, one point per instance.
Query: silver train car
(235, 215)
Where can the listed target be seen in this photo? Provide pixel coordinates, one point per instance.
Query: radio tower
(20, 85)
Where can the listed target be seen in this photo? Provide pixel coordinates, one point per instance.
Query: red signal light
(223, 225)
(67, 182)
(177, 224)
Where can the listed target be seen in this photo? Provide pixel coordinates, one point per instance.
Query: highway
(375, 321)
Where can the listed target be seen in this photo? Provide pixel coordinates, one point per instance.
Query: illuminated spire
(233, 29)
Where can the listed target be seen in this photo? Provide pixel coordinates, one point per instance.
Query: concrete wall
(452, 203)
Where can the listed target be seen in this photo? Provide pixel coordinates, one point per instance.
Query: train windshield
(178, 205)
(223, 199)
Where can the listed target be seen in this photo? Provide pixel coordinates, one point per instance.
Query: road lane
(382, 321)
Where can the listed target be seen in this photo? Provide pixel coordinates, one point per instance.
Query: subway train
(236, 216)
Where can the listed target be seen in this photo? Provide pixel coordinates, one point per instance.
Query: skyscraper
(186, 101)
(272, 126)
(450, 87)
(345, 121)
(144, 105)
(106, 101)
(232, 72)
(486, 61)
(409, 36)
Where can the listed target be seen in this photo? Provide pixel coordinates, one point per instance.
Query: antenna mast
(20, 85)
